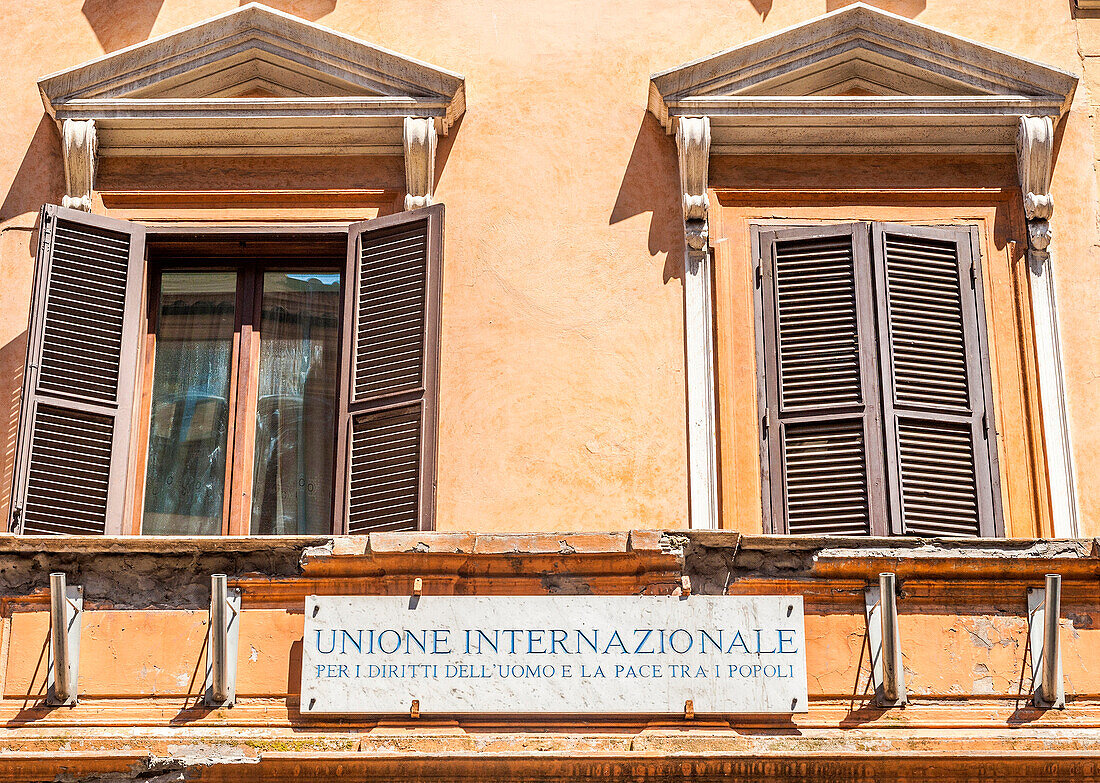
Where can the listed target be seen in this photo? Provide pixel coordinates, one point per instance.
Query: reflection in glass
(189, 420)
(292, 473)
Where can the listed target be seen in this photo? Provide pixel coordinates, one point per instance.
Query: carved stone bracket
(78, 143)
(420, 142)
(693, 147)
(1034, 156)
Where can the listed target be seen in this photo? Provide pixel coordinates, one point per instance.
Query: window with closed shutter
(874, 383)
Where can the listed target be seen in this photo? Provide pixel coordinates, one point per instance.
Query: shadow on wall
(907, 8)
(12, 358)
(443, 150)
(763, 7)
(651, 183)
(40, 177)
(118, 25)
(304, 9)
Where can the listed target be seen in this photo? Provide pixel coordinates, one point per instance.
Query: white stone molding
(253, 81)
(862, 81)
(693, 151)
(420, 142)
(78, 146)
(1034, 159)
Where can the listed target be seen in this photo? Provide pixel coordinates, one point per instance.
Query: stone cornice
(254, 81)
(169, 572)
(860, 80)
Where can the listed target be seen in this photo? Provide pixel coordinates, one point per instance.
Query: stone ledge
(816, 760)
(129, 572)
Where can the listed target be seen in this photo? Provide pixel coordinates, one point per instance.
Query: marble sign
(554, 654)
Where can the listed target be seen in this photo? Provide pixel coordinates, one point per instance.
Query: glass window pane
(189, 416)
(295, 410)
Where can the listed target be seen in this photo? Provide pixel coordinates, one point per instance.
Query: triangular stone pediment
(252, 68)
(251, 45)
(849, 66)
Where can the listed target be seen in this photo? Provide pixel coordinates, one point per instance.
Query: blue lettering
(356, 641)
(704, 637)
(783, 640)
(410, 639)
(558, 637)
(616, 641)
(590, 642)
(396, 642)
(737, 642)
(440, 642)
(492, 643)
(672, 640)
(332, 647)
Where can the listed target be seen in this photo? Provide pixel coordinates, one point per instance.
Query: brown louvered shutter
(821, 426)
(78, 392)
(389, 385)
(937, 411)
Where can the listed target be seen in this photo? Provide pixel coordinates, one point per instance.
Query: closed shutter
(940, 442)
(74, 431)
(389, 385)
(821, 426)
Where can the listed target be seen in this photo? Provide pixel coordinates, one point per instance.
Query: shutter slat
(56, 495)
(818, 457)
(818, 339)
(384, 447)
(93, 365)
(925, 366)
(392, 298)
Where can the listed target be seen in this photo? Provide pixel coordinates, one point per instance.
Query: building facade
(705, 306)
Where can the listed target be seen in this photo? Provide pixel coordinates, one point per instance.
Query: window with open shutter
(388, 393)
(874, 382)
(78, 392)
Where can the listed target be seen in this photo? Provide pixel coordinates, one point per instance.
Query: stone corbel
(78, 144)
(1034, 157)
(1034, 160)
(420, 141)
(693, 147)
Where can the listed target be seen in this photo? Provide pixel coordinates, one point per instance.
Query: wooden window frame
(248, 251)
(883, 466)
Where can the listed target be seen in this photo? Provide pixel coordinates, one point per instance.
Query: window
(280, 400)
(287, 384)
(875, 390)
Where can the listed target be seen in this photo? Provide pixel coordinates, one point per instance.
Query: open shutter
(78, 392)
(821, 427)
(389, 384)
(940, 443)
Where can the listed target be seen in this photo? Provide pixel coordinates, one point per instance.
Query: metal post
(1051, 651)
(889, 616)
(59, 637)
(219, 596)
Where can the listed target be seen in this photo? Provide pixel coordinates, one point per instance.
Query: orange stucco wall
(563, 399)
